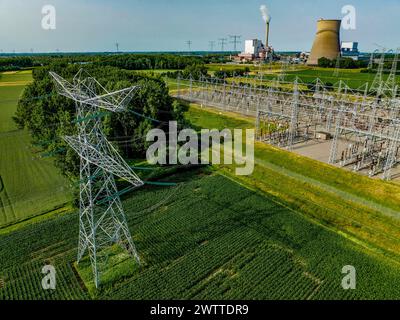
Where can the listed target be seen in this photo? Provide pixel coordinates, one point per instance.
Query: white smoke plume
(265, 13)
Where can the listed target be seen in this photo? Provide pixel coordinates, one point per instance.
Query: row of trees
(386, 68)
(198, 70)
(11, 64)
(143, 62)
(159, 61)
(344, 63)
(122, 61)
(195, 71)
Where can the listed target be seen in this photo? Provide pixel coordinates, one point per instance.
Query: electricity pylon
(222, 43)
(235, 40)
(391, 80)
(337, 66)
(212, 45)
(102, 221)
(378, 83)
(189, 44)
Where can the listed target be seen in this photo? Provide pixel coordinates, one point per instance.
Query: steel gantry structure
(102, 221)
(362, 123)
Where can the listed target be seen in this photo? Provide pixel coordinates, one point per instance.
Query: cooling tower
(327, 41)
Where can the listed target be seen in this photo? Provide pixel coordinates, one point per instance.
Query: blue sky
(166, 25)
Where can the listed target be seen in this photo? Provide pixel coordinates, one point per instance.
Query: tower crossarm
(115, 101)
(64, 87)
(108, 159)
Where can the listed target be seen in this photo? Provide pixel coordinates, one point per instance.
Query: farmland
(353, 77)
(362, 208)
(30, 184)
(284, 232)
(209, 237)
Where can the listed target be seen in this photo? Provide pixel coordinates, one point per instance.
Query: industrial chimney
(267, 36)
(327, 41)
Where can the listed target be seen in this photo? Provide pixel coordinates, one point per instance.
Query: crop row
(25, 283)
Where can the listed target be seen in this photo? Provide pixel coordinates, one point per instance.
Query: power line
(222, 43)
(189, 44)
(212, 45)
(235, 40)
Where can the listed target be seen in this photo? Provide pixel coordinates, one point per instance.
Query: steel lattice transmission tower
(337, 67)
(102, 220)
(212, 45)
(378, 83)
(372, 59)
(235, 40)
(189, 44)
(391, 82)
(222, 43)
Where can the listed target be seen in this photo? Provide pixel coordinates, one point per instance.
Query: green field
(213, 238)
(31, 185)
(361, 208)
(353, 77)
(21, 78)
(284, 232)
(208, 238)
(9, 98)
(212, 67)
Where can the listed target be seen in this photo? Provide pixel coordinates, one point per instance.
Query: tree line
(344, 63)
(122, 61)
(12, 64)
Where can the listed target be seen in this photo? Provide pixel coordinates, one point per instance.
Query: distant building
(253, 47)
(350, 50)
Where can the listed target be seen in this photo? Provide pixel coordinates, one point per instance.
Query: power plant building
(253, 47)
(350, 50)
(327, 41)
(253, 50)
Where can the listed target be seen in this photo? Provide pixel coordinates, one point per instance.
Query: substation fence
(363, 123)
